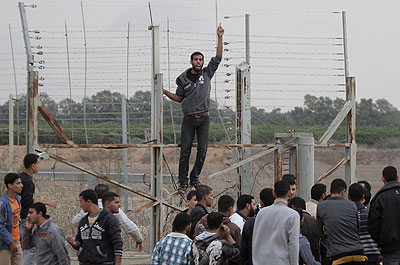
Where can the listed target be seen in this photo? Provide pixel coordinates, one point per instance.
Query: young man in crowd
(371, 250)
(337, 218)
(10, 226)
(210, 248)
(48, 238)
(266, 199)
(31, 165)
(246, 207)
(129, 227)
(99, 236)
(204, 201)
(276, 231)
(175, 248)
(318, 194)
(306, 256)
(191, 200)
(291, 179)
(384, 217)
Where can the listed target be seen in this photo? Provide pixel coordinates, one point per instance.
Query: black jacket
(102, 241)
(197, 213)
(311, 231)
(27, 193)
(247, 238)
(384, 217)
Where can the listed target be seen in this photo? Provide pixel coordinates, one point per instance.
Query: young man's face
(35, 167)
(114, 205)
(292, 191)
(16, 186)
(84, 204)
(33, 216)
(197, 63)
(209, 199)
(192, 202)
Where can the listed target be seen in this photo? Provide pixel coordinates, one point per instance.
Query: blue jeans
(29, 254)
(192, 126)
(391, 258)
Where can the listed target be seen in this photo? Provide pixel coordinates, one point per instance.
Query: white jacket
(129, 227)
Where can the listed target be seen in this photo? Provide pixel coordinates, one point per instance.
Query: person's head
(356, 192)
(301, 214)
(389, 174)
(214, 220)
(338, 188)
(204, 195)
(31, 163)
(246, 205)
(367, 197)
(197, 61)
(111, 201)
(225, 205)
(318, 192)
(100, 189)
(181, 223)
(37, 213)
(281, 189)
(87, 198)
(292, 182)
(191, 199)
(266, 197)
(13, 182)
(297, 203)
(365, 184)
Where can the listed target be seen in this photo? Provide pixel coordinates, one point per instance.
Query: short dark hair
(100, 189)
(89, 194)
(337, 185)
(356, 192)
(367, 196)
(281, 188)
(214, 220)
(389, 173)
(108, 197)
(298, 203)
(243, 200)
(40, 208)
(191, 194)
(317, 191)
(10, 178)
(366, 184)
(267, 197)
(196, 53)
(289, 178)
(30, 159)
(181, 221)
(224, 202)
(202, 190)
(300, 212)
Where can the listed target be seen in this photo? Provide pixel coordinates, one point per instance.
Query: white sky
(373, 41)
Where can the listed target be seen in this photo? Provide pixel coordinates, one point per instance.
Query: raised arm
(220, 33)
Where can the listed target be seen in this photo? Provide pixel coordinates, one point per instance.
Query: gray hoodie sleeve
(57, 244)
(213, 65)
(26, 240)
(129, 227)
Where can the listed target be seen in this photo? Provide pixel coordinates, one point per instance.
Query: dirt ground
(370, 163)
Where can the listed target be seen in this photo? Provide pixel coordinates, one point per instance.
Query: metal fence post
(351, 151)
(305, 156)
(125, 151)
(10, 133)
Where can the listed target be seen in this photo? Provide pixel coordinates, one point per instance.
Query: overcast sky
(297, 27)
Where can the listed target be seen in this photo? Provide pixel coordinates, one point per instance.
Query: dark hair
(191, 194)
(243, 200)
(356, 192)
(298, 203)
(389, 173)
(224, 202)
(40, 207)
(281, 188)
(267, 197)
(10, 178)
(30, 159)
(214, 220)
(89, 195)
(108, 196)
(367, 196)
(289, 178)
(300, 212)
(337, 185)
(100, 189)
(366, 184)
(196, 53)
(317, 191)
(201, 191)
(181, 221)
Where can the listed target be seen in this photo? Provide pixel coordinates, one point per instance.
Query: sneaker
(195, 182)
(182, 188)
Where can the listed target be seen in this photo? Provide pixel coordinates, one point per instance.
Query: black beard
(251, 213)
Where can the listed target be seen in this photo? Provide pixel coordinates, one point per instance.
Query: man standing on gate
(193, 91)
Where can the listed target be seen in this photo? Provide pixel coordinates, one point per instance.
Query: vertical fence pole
(125, 151)
(305, 179)
(351, 151)
(10, 133)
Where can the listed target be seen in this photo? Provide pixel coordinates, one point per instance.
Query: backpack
(203, 254)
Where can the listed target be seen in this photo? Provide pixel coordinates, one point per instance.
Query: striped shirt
(173, 249)
(371, 249)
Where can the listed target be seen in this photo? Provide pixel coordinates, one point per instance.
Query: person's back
(276, 232)
(205, 199)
